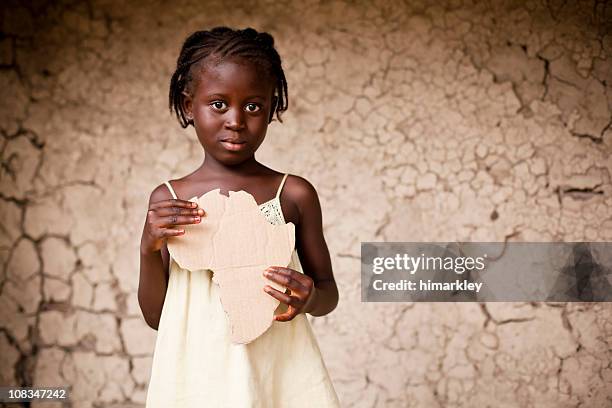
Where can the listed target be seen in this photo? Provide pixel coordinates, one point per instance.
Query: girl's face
(230, 109)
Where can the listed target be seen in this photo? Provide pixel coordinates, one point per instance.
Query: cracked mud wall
(432, 121)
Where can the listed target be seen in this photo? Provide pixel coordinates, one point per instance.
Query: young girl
(228, 85)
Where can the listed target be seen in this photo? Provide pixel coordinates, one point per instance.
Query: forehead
(233, 76)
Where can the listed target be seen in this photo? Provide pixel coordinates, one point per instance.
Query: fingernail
(201, 211)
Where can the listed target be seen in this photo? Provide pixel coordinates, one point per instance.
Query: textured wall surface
(451, 120)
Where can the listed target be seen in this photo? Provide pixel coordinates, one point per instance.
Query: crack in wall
(460, 122)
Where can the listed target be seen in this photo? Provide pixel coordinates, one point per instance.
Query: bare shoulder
(302, 194)
(160, 193)
(299, 187)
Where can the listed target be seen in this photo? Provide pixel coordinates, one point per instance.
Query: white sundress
(196, 365)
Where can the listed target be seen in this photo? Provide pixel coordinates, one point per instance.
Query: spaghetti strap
(167, 183)
(281, 185)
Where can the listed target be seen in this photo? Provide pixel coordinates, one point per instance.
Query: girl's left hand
(300, 291)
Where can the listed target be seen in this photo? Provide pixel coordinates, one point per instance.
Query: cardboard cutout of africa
(236, 242)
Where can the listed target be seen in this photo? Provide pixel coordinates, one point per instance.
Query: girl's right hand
(162, 218)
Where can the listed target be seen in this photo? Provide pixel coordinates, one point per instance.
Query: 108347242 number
(26, 394)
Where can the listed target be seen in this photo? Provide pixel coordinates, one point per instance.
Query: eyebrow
(225, 96)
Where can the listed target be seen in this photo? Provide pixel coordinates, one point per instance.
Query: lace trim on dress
(273, 212)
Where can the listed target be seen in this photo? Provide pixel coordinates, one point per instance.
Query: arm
(152, 287)
(166, 217)
(312, 248)
(153, 271)
(315, 290)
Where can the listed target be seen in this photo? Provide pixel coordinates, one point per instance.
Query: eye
(218, 105)
(252, 107)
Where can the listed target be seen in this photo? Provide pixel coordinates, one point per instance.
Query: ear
(272, 108)
(188, 106)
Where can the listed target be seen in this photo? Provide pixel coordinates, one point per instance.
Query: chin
(234, 159)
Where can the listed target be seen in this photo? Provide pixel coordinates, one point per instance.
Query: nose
(234, 119)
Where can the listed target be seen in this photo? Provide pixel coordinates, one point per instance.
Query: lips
(233, 144)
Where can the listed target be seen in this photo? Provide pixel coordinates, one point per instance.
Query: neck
(245, 168)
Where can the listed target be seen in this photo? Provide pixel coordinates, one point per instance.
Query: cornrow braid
(221, 43)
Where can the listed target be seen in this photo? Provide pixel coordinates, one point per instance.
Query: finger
(300, 277)
(167, 232)
(287, 316)
(287, 282)
(174, 210)
(172, 220)
(177, 202)
(289, 279)
(283, 297)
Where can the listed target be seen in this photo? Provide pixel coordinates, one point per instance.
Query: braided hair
(221, 43)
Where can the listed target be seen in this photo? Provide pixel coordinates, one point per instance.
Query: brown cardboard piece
(237, 243)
